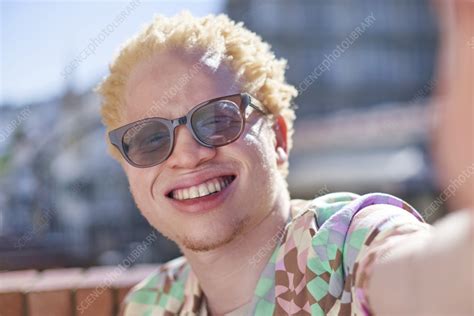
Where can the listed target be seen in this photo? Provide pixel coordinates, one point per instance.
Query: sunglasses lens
(147, 143)
(218, 123)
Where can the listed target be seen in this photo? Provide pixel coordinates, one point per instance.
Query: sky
(39, 39)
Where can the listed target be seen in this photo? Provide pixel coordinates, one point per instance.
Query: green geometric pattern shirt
(314, 270)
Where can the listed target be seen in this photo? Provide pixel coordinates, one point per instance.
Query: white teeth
(217, 185)
(185, 194)
(211, 187)
(193, 192)
(203, 189)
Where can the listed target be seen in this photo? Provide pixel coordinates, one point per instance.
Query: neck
(239, 262)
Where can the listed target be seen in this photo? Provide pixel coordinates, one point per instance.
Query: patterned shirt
(312, 270)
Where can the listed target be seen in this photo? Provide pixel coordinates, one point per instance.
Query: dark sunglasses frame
(243, 100)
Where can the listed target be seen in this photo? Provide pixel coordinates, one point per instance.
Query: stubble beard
(203, 245)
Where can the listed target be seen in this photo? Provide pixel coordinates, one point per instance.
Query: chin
(212, 237)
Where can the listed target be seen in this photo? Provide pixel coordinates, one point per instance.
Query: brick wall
(62, 292)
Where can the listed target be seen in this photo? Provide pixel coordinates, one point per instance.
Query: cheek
(258, 139)
(255, 151)
(261, 180)
(140, 183)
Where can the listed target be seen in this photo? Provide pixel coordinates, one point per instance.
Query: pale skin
(453, 141)
(219, 244)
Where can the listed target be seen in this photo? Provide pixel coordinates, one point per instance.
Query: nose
(187, 152)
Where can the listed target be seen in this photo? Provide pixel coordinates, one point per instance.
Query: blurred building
(391, 60)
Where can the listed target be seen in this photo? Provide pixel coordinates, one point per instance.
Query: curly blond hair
(262, 74)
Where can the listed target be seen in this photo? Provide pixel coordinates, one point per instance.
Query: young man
(198, 114)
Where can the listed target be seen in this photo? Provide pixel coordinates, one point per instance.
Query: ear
(281, 149)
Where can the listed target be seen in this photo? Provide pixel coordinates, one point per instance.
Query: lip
(206, 203)
(198, 178)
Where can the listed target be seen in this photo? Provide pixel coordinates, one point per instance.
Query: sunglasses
(213, 123)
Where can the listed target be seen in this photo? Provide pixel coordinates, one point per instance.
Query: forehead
(169, 84)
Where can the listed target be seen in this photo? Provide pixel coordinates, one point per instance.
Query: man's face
(202, 223)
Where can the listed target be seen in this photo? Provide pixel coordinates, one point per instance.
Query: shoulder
(163, 287)
(338, 225)
(321, 243)
(343, 206)
(347, 219)
(331, 232)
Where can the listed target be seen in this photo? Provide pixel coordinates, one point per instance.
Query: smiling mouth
(209, 187)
